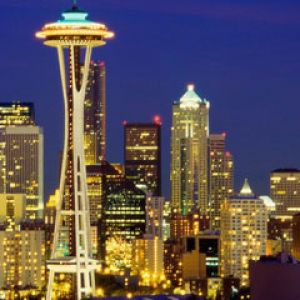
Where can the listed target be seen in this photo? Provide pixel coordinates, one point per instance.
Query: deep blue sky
(244, 56)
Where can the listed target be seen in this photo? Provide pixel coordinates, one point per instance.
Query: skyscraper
(189, 153)
(95, 115)
(243, 233)
(285, 191)
(142, 154)
(22, 165)
(16, 113)
(124, 211)
(220, 176)
(72, 251)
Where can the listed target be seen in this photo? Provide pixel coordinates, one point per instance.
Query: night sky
(243, 56)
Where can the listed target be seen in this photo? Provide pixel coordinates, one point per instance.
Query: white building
(22, 259)
(243, 233)
(22, 246)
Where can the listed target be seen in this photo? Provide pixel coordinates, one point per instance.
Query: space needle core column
(71, 251)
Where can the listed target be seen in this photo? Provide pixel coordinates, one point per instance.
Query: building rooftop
(280, 258)
(191, 99)
(286, 170)
(246, 189)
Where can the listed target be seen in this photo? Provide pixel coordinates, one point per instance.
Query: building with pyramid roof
(189, 154)
(243, 232)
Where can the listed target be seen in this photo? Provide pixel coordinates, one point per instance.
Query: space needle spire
(75, 35)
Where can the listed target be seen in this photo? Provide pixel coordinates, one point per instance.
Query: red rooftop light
(157, 120)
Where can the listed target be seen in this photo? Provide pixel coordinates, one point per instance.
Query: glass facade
(143, 155)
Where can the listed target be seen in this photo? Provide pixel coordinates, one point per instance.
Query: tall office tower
(243, 233)
(220, 176)
(17, 113)
(22, 247)
(99, 180)
(95, 115)
(22, 166)
(142, 155)
(285, 191)
(124, 211)
(12, 210)
(95, 178)
(124, 217)
(78, 35)
(189, 153)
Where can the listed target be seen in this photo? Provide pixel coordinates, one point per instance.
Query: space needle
(74, 36)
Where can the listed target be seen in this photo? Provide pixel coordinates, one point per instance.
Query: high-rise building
(142, 143)
(98, 179)
(22, 259)
(22, 246)
(243, 233)
(95, 115)
(220, 176)
(17, 113)
(12, 210)
(124, 211)
(285, 191)
(72, 251)
(189, 153)
(22, 166)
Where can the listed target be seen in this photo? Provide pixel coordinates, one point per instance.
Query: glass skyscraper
(189, 153)
(142, 143)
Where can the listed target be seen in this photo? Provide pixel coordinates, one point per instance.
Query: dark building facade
(124, 210)
(220, 176)
(274, 278)
(95, 115)
(209, 246)
(142, 154)
(296, 236)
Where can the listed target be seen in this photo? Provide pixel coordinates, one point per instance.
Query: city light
(165, 220)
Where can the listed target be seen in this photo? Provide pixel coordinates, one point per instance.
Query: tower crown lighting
(191, 99)
(76, 27)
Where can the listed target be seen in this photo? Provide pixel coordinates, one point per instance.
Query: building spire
(246, 189)
(74, 6)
